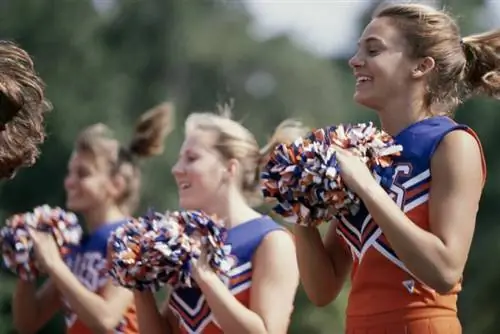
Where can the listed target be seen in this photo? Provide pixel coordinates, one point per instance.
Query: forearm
(423, 253)
(149, 318)
(317, 272)
(231, 315)
(25, 307)
(87, 305)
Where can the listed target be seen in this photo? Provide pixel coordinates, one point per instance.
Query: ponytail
(482, 69)
(285, 133)
(151, 130)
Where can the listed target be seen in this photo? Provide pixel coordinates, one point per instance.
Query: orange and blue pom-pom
(16, 243)
(304, 177)
(156, 249)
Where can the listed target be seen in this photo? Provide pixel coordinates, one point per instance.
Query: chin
(187, 204)
(75, 206)
(365, 101)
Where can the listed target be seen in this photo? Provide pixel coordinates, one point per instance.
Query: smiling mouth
(184, 185)
(362, 79)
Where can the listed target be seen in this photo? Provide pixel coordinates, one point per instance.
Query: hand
(355, 174)
(46, 251)
(200, 267)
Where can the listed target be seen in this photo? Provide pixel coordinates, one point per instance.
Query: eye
(191, 158)
(82, 173)
(373, 52)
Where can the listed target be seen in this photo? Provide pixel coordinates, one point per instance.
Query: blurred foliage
(112, 64)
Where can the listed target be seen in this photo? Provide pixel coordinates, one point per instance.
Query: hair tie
(126, 155)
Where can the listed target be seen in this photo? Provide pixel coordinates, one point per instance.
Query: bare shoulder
(278, 243)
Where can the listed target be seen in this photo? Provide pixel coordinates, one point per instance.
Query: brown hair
(234, 141)
(150, 132)
(22, 110)
(464, 67)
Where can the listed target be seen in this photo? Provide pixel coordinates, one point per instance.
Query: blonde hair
(150, 132)
(234, 141)
(464, 66)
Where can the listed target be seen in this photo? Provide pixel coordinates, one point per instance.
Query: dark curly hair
(22, 110)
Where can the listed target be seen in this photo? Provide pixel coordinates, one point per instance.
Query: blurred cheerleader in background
(103, 185)
(407, 246)
(22, 110)
(218, 171)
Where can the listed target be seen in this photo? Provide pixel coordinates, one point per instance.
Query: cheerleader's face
(200, 173)
(86, 184)
(382, 67)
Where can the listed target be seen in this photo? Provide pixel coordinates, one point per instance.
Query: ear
(232, 169)
(117, 186)
(423, 67)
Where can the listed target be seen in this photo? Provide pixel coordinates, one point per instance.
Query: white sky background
(325, 27)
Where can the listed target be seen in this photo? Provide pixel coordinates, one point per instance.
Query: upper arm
(275, 279)
(457, 183)
(340, 257)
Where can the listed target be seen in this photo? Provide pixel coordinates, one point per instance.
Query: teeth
(184, 185)
(362, 79)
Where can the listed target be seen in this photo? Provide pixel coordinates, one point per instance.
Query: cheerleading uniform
(189, 304)
(385, 296)
(88, 263)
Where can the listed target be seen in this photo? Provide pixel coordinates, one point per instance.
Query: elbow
(446, 281)
(323, 297)
(104, 325)
(24, 327)
(321, 300)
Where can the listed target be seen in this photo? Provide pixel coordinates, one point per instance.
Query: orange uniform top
(88, 263)
(189, 304)
(383, 289)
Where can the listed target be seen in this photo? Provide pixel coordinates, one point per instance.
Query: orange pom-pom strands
(156, 249)
(304, 177)
(17, 246)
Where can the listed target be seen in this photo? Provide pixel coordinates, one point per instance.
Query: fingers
(341, 151)
(32, 232)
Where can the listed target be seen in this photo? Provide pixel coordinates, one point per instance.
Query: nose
(356, 61)
(177, 169)
(69, 182)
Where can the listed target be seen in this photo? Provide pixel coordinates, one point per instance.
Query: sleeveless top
(382, 286)
(189, 305)
(88, 263)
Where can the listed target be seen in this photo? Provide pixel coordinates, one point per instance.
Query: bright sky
(326, 27)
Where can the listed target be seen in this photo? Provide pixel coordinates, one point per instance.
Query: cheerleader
(218, 171)
(103, 185)
(407, 246)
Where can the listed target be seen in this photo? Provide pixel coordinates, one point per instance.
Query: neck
(234, 210)
(101, 216)
(399, 114)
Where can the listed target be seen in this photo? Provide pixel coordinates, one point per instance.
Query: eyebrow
(370, 39)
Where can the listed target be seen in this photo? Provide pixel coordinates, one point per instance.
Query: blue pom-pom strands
(154, 250)
(304, 177)
(17, 246)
